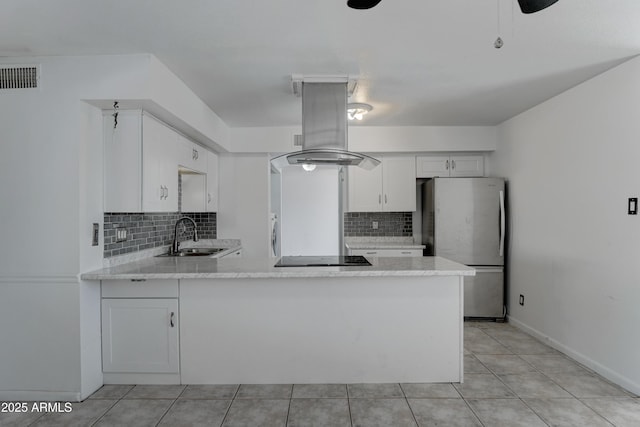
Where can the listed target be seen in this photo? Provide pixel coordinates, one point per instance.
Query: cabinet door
(399, 184)
(212, 182)
(365, 190)
(192, 156)
(123, 162)
(432, 166)
(159, 167)
(194, 192)
(140, 335)
(467, 165)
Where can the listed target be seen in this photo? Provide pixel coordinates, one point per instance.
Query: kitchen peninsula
(242, 320)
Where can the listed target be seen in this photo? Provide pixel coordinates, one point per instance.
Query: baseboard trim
(133, 378)
(35, 396)
(607, 373)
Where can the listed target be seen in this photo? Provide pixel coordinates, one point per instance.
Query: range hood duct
(324, 129)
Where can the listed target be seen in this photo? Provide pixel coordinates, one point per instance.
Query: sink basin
(195, 252)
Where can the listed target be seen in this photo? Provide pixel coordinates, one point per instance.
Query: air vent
(17, 77)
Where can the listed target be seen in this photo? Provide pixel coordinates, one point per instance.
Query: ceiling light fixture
(533, 6)
(357, 110)
(308, 167)
(362, 4)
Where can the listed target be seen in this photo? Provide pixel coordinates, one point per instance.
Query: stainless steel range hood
(324, 129)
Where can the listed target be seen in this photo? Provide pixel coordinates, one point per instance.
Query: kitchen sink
(194, 252)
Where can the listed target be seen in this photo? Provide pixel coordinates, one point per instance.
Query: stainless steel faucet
(176, 245)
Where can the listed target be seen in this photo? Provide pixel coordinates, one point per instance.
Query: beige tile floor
(511, 379)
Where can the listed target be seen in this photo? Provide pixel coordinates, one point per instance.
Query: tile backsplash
(150, 230)
(360, 224)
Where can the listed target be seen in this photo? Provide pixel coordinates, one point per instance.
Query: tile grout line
(406, 399)
(171, 406)
(233, 399)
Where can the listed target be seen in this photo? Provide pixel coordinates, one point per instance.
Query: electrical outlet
(374, 225)
(521, 302)
(121, 234)
(95, 234)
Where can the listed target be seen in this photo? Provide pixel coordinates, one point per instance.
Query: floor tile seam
(413, 415)
(581, 402)
(106, 412)
(594, 409)
(474, 413)
(167, 410)
(37, 419)
(233, 399)
(533, 410)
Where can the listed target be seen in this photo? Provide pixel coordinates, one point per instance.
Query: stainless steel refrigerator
(463, 219)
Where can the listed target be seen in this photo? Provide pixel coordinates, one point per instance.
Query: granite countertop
(234, 268)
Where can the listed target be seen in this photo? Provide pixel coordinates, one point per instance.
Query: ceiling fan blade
(533, 6)
(362, 4)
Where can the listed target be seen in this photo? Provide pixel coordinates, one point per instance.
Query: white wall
(243, 211)
(404, 139)
(51, 170)
(571, 164)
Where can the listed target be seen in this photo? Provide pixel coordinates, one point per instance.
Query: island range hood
(324, 129)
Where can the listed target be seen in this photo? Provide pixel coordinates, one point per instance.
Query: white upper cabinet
(390, 187)
(142, 158)
(212, 182)
(123, 162)
(192, 155)
(449, 165)
(159, 167)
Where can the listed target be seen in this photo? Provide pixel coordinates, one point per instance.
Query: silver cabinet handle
(138, 280)
(446, 165)
(166, 195)
(197, 155)
(385, 199)
(453, 164)
(405, 252)
(209, 197)
(379, 199)
(171, 319)
(161, 192)
(371, 253)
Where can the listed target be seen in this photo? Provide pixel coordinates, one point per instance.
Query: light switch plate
(633, 206)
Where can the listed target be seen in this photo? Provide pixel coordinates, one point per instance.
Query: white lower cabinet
(387, 252)
(140, 335)
(140, 338)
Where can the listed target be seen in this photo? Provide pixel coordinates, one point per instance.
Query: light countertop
(229, 268)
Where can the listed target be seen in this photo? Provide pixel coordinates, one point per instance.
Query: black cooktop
(323, 261)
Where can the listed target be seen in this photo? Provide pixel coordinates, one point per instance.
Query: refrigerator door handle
(502, 224)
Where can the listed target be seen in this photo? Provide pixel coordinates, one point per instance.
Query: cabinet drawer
(145, 288)
(388, 252)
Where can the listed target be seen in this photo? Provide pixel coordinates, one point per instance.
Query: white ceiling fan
(527, 6)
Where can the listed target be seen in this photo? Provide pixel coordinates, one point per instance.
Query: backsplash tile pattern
(389, 224)
(150, 230)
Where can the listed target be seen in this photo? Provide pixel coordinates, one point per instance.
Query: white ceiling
(420, 62)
